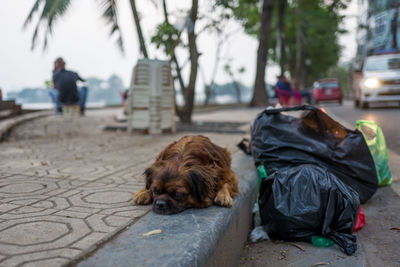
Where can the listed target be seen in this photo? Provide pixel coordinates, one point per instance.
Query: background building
(378, 28)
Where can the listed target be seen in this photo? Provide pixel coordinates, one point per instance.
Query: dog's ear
(198, 187)
(148, 176)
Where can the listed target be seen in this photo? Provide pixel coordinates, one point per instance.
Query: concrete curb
(7, 125)
(198, 237)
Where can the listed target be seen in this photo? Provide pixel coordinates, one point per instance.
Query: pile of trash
(314, 174)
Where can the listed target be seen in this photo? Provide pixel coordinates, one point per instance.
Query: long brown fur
(190, 173)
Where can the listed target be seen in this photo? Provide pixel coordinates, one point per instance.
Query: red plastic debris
(360, 222)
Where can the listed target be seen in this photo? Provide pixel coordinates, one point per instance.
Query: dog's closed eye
(155, 191)
(178, 195)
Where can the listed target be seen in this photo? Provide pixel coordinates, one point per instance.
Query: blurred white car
(380, 82)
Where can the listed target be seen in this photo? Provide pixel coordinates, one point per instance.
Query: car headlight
(372, 83)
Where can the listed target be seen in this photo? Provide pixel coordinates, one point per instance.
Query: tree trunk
(139, 29)
(179, 75)
(165, 11)
(260, 97)
(173, 56)
(185, 114)
(299, 49)
(207, 91)
(237, 89)
(281, 34)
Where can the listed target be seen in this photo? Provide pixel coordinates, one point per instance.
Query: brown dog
(190, 173)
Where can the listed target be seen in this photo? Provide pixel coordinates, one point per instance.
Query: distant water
(39, 98)
(222, 99)
(47, 106)
(37, 106)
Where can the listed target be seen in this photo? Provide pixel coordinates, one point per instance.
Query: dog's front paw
(223, 199)
(143, 197)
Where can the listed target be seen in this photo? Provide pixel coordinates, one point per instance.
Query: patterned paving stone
(77, 229)
(22, 200)
(48, 262)
(33, 233)
(21, 188)
(115, 221)
(66, 186)
(5, 207)
(15, 214)
(102, 199)
(108, 197)
(50, 258)
(89, 240)
(97, 224)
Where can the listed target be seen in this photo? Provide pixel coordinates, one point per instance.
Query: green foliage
(241, 70)
(319, 22)
(319, 27)
(48, 84)
(52, 10)
(228, 70)
(111, 16)
(246, 11)
(343, 74)
(167, 36)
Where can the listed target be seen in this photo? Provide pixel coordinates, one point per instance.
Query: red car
(327, 90)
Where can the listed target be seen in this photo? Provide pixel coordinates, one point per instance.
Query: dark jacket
(65, 82)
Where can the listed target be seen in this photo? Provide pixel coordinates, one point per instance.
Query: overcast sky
(82, 39)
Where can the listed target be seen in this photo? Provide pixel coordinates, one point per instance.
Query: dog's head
(175, 187)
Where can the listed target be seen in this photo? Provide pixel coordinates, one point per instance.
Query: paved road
(66, 185)
(388, 119)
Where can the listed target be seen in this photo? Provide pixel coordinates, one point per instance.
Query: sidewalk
(66, 185)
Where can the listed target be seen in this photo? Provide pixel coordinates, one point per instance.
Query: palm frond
(34, 37)
(110, 14)
(32, 12)
(57, 10)
(45, 42)
(51, 11)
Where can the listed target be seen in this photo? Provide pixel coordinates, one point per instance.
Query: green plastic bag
(320, 241)
(375, 139)
(262, 173)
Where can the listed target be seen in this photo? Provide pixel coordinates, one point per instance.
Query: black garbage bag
(298, 203)
(280, 141)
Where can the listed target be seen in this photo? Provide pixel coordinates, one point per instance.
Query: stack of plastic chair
(150, 104)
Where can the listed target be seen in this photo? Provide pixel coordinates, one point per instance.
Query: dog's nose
(161, 204)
